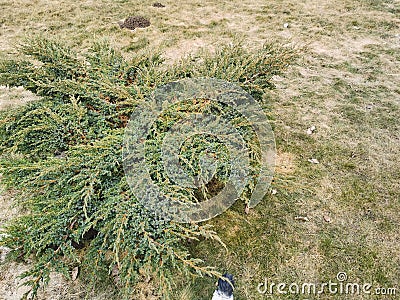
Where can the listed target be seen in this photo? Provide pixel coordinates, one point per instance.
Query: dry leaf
(313, 161)
(311, 130)
(304, 219)
(74, 273)
(327, 218)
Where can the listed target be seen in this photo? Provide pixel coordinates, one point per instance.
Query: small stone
(327, 218)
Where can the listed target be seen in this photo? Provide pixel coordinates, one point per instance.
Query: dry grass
(347, 85)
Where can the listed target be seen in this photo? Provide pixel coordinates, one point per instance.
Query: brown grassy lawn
(346, 85)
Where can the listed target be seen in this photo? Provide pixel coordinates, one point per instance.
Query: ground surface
(346, 85)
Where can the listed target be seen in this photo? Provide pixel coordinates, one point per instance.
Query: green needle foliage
(63, 155)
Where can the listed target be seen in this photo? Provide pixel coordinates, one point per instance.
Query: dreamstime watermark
(140, 126)
(339, 286)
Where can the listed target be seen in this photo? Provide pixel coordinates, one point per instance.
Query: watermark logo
(191, 126)
(339, 286)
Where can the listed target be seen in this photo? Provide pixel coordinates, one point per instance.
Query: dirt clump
(133, 22)
(158, 4)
